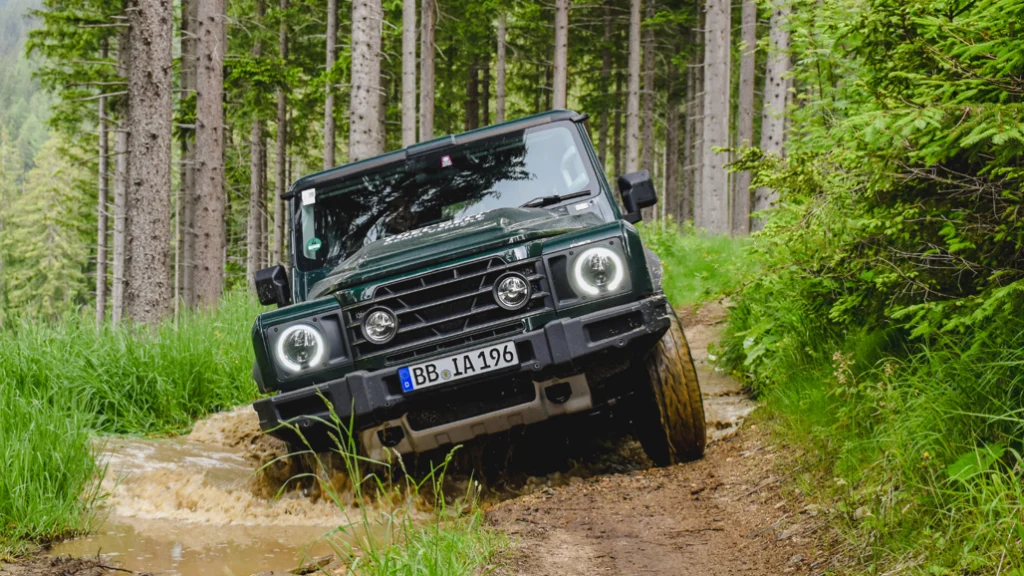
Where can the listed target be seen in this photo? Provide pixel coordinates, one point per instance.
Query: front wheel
(669, 411)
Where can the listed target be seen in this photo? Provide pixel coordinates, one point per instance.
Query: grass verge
(61, 383)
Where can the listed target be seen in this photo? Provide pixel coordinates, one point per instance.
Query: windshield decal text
(434, 228)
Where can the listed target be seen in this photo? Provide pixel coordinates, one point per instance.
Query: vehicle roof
(331, 176)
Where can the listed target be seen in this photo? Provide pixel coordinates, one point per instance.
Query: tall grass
(698, 266)
(59, 383)
(398, 524)
(921, 440)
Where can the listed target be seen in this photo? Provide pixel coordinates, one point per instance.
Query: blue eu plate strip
(403, 374)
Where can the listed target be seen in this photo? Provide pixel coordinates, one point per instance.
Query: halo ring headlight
(512, 291)
(598, 270)
(379, 326)
(299, 347)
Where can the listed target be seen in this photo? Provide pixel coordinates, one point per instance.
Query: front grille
(448, 308)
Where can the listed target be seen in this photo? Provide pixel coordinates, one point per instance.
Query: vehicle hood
(451, 240)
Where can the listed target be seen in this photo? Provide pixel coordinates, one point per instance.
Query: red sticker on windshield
(446, 161)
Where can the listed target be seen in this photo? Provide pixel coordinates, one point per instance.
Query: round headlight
(512, 291)
(380, 325)
(598, 270)
(300, 347)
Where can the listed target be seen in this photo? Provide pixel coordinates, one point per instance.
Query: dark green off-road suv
(468, 285)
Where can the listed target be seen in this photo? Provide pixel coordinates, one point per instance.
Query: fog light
(380, 326)
(512, 291)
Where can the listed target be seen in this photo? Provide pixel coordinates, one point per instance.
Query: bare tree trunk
(773, 115)
(120, 186)
(472, 120)
(101, 210)
(745, 116)
(147, 296)
(617, 147)
(184, 255)
(485, 91)
(633, 90)
(257, 193)
(281, 158)
(408, 72)
(686, 201)
(606, 74)
(332, 54)
(210, 137)
(561, 59)
(257, 179)
(672, 191)
(698, 129)
(427, 70)
(364, 139)
(715, 184)
(499, 88)
(647, 150)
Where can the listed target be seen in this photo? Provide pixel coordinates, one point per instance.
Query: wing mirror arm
(272, 286)
(637, 191)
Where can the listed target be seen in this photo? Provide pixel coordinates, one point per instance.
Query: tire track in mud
(723, 515)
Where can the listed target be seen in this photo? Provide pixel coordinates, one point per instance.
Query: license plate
(458, 366)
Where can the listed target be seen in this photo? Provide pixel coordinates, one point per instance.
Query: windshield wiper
(542, 201)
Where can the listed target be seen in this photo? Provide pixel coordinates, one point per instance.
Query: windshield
(505, 171)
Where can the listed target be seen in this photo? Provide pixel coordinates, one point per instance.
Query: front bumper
(562, 348)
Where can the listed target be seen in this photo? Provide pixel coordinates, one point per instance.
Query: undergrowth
(697, 266)
(60, 383)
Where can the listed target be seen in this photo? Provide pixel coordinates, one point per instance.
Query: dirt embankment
(723, 515)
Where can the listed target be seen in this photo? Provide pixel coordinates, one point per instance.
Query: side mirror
(637, 192)
(272, 286)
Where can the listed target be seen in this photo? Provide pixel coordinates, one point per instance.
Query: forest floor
(730, 513)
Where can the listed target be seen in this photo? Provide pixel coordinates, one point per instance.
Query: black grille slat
(439, 306)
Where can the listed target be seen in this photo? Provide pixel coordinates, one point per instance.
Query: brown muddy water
(190, 507)
(193, 506)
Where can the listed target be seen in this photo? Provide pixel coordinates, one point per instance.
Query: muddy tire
(668, 411)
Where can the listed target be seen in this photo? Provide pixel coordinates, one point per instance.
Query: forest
(848, 174)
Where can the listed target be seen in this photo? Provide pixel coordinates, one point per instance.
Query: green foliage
(884, 329)
(698, 266)
(63, 382)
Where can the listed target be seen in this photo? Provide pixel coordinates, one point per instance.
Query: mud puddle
(191, 507)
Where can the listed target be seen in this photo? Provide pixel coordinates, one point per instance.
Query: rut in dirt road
(721, 515)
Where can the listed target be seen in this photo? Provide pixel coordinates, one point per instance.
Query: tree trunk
(120, 186)
(633, 90)
(606, 74)
(472, 120)
(617, 147)
(185, 253)
(773, 115)
(257, 179)
(147, 295)
(673, 191)
(427, 70)
(745, 116)
(364, 140)
(561, 59)
(101, 210)
(332, 54)
(210, 137)
(715, 184)
(698, 129)
(499, 87)
(686, 201)
(485, 92)
(281, 157)
(408, 72)
(648, 153)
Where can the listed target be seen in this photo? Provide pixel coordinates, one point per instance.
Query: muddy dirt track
(578, 499)
(723, 515)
